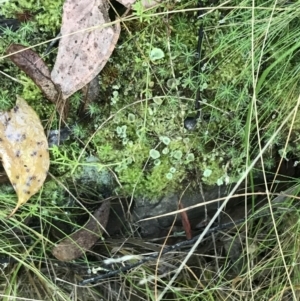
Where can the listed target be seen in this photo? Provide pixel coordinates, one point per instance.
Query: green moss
(149, 99)
(133, 136)
(151, 182)
(48, 20)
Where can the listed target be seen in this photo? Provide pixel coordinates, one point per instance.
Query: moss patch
(135, 128)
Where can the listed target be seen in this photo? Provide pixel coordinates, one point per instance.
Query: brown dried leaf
(33, 65)
(23, 150)
(77, 243)
(81, 56)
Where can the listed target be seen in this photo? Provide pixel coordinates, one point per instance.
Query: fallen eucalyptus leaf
(82, 240)
(23, 150)
(34, 66)
(82, 55)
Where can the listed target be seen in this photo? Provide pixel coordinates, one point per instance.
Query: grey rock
(155, 208)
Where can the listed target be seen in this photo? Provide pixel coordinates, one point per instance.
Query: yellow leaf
(23, 150)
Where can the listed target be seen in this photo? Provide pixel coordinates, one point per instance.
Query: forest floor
(196, 109)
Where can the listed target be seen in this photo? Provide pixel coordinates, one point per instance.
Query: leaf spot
(7, 120)
(20, 137)
(33, 154)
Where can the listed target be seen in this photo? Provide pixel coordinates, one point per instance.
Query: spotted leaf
(86, 45)
(23, 150)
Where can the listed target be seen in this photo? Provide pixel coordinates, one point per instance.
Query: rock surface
(153, 227)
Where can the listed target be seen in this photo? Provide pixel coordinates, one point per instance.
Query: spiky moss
(155, 122)
(229, 78)
(47, 20)
(219, 145)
